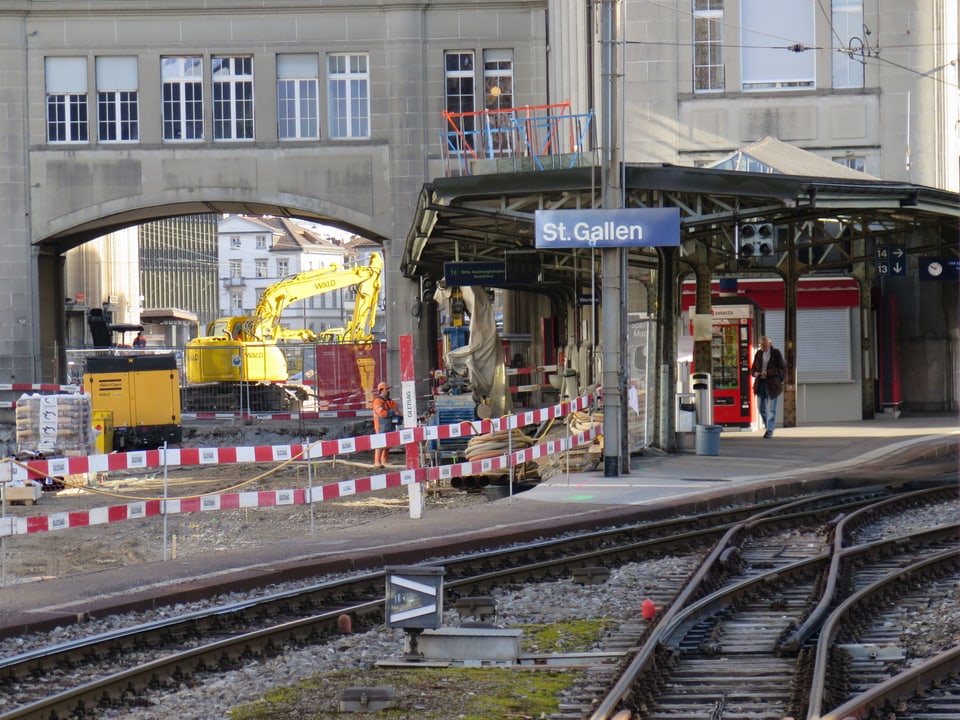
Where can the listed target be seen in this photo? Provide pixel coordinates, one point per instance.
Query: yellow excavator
(243, 351)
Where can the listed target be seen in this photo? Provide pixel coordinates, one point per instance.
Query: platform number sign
(891, 260)
(414, 597)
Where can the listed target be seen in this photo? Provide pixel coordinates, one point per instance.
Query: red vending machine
(737, 326)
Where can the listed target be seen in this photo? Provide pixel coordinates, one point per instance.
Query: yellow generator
(139, 396)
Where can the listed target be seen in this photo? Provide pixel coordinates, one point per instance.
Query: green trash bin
(708, 439)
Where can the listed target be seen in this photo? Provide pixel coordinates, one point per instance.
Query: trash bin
(702, 386)
(708, 439)
(686, 413)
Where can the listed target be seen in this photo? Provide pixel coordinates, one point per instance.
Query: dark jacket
(776, 372)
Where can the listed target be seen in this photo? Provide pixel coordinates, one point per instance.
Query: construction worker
(384, 417)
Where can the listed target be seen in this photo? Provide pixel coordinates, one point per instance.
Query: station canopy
(484, 218)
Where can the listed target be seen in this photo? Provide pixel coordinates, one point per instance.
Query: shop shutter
(824, 352)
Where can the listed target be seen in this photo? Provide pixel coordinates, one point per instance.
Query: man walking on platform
(769, 369)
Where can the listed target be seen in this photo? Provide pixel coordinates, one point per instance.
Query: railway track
(81, 676)
(722, 650)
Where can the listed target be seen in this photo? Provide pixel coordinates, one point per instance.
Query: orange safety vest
(381, 409)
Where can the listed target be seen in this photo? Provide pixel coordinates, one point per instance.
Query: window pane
(117, 99)
(708, 71)
(298, 107)
(847, 24)
(233, 98)
(182, 98)
(348, 96)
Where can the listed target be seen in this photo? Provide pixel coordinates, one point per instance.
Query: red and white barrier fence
(34, 388)
(278, 453)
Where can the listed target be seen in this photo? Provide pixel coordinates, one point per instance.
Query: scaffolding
(529, 138)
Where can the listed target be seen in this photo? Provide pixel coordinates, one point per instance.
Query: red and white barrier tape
(295, 496)
(143, 459)
(36, 387)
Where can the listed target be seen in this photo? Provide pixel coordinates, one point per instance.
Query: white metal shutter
(768, 27)
(116, 73)
(824, 352)
(297, 66)
(66, 75)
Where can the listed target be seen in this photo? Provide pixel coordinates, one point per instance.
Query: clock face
(934, 268)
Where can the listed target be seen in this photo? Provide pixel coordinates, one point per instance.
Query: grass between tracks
(466, 693)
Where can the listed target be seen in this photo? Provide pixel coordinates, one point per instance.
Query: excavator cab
(102, 329)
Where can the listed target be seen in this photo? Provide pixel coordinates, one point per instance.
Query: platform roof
(479, 217)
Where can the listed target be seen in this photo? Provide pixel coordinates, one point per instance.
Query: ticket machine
(737, 326)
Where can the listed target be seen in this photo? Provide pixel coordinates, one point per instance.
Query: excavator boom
(244, 348)
(279, 296)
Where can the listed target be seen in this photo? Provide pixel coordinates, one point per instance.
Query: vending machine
(737, 326)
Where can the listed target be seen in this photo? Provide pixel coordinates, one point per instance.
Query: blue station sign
(625, 227)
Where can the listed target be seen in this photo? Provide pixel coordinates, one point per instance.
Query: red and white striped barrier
(33, 388)
(294, 496)
(143, 459)
(211, 456)
(41, 387)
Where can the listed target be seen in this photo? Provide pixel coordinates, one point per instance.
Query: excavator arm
(279, 296)
(360, 328)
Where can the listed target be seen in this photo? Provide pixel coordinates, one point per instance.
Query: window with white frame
(854, 162)
(847, 19)
(66, 85)
(348, 95)
(260, 268)
(708, 75)
(236, 243)
(236, 302)
(298, 96)
(182, 98)
(118, 115)
(777, 45)
(261, 242)
(232, 89)
(460, 97)
(236, 269)
(283, 268)
(498, 79)
(497, 97)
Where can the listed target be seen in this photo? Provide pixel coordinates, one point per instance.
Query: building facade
(871, 84)
(178, 265)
